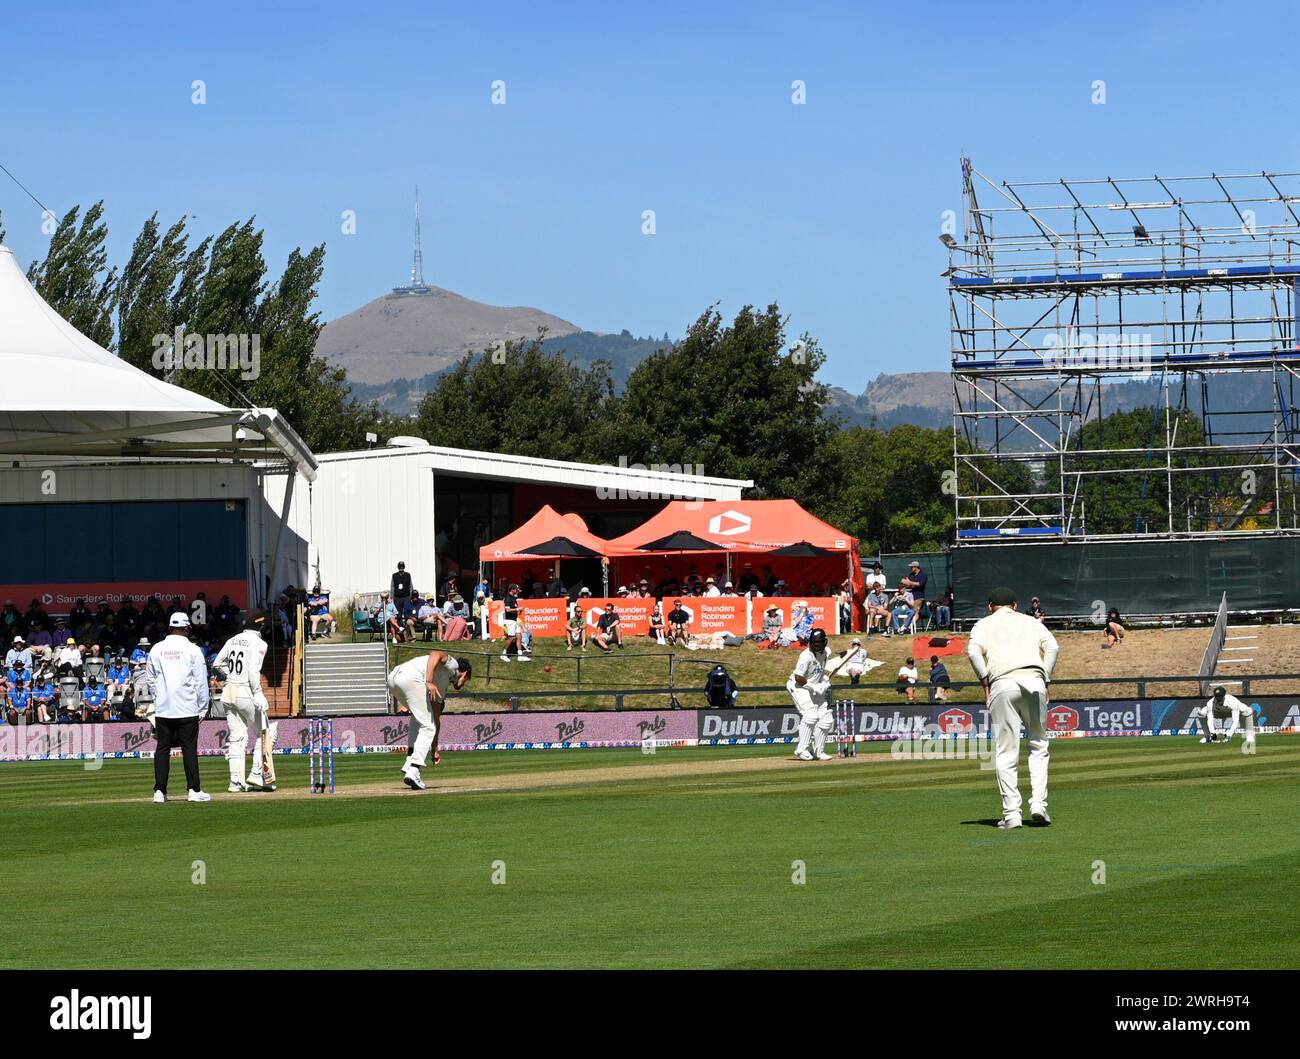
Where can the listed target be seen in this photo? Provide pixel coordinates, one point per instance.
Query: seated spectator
(455, 619)
(943, 610)
(907, 678)
(227, 617)
(525, 639)
(128, 621)
(11, 622)
(657, 623)
(19, 651)
(801, 621)
(68, 659)
(780, 588)
(94, 700)
(140, 653)
(41, 643)
(939, 679)
(575, 629)
(1114, 628)
(856, 661)
(118, 680)
(876, 606)
(711, 588)
(728, 589)
(318, 606)
(678, 621)
(428, 619)
(1036, 609)
(79, 617)
(555, 587)
(386, 614)
(20, 703)
(35, 615)
(43, 695)
(772, 624)
(607, 635)
(901, 611)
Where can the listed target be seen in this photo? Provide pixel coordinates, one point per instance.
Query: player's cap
(254, 619)
(1220, 692)
(1002, 597)
(179, 621)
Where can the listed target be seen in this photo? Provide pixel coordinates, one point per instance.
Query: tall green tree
(145, 306)
(732, 400)
(74, 278)
(522, 400)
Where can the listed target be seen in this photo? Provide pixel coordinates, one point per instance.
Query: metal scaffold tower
(1124, 357)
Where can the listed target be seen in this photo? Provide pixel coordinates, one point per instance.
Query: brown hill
(411, 336)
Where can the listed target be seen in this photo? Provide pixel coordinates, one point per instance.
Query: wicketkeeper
(1223, 705)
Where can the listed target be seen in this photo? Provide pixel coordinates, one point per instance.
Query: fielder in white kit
(1223, 705)
(1013, 655)
(421, 684)
(809, 686)
(239, 662)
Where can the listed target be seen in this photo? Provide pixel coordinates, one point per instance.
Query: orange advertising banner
(711, 614)
(633, 614)
(543, 617)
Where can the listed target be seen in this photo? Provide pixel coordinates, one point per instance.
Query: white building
(433, 507)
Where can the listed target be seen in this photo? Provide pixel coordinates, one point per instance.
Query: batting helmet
(817, 639)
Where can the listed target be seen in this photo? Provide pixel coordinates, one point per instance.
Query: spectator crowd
(89, 664)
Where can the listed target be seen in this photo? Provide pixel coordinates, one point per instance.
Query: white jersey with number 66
(241, 659)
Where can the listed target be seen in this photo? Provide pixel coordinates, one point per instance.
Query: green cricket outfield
(1164, 853)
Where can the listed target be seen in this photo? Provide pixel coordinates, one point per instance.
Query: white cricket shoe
(411, 776)
(821, 755)
(1042, 819)
(803, 755)
(1009, 825)
(199, 796)
(159, 798)
(238, 788)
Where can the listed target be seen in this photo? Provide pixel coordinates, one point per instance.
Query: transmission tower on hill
(417, 285)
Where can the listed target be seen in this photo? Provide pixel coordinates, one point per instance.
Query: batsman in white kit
(1013, 655)
(1222, 705)
(421, 684)
(239, 662)
(809, 686)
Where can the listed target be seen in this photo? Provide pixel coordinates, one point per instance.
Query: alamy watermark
(1102, 352)
(655, 491)
(195, 352)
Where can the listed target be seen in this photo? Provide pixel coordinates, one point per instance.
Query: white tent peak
(63, 395)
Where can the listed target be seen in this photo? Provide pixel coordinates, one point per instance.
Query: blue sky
(831, 208)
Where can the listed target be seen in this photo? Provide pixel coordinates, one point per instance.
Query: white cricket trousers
(815, 718)
(1014, 701)
(245, 710)
(1208, 727)
(409, 687)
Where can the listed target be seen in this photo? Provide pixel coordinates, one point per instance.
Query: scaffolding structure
(1171, 298)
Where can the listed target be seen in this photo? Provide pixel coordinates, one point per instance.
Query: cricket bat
(268, 762)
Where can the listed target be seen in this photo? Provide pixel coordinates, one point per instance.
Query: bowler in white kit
(421, 684)
(1013, 655)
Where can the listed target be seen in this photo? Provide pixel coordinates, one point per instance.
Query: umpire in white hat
(1013, 656)
(178, 675)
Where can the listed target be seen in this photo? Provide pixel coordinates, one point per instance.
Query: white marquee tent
(61, 395)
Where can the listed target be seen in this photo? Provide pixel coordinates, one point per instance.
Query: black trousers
(184, 733)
